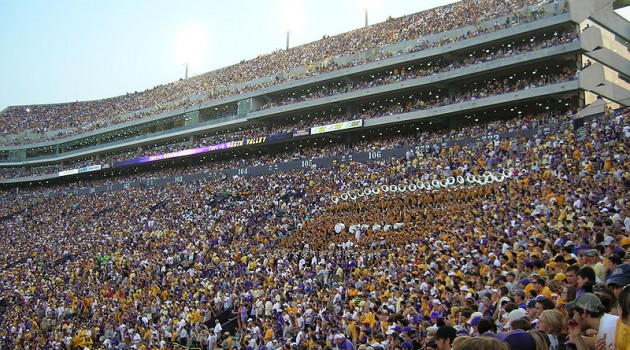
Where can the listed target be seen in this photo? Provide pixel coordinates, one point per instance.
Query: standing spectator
(217, 328)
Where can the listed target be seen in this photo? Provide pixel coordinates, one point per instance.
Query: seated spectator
(474, 343)
(552, 322)
(444, 337)
(518, 340)
(623, 328)
(585, 278)
(587, 312)
(487, 328)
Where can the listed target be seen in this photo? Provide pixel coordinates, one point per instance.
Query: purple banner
(182, 153)
(205, 149)
(285, 135)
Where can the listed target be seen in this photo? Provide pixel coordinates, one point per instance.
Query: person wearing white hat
(513, 316)
(608, 240)
(341, 342)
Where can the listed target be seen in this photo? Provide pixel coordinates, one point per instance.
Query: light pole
(366, 17)
(288, 39)
(186, 72)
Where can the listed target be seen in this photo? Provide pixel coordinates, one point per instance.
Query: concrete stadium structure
(592, 59)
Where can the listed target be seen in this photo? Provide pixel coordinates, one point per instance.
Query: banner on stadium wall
(182, 153)
(307, 163)
(255, 140)
(337, 126)
(301, 132)
(266, 139)
(68, 172)
(81, 170)
(86, 169)
(205, 149)
(280, 136)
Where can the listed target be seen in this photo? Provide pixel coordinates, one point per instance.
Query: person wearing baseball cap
(433, 316)
(587, 312)
(518, 340)
(519, 298)
(513, 316)
(592, 259)
(619, 277)
(473, 325)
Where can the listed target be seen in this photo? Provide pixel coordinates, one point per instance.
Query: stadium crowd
(530, 250)
(510, 261)
(476, 129)
(426, 100)
(28, 124)
(424, 69)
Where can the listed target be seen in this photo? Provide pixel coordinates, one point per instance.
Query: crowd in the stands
(28, 124)
(519, 242)
(511, 260)
(426, 100)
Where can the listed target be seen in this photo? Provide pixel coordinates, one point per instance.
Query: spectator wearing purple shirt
(341, 342)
